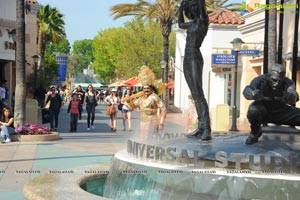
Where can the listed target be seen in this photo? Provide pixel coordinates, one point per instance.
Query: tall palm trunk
(281, 18)
(272, 35)
(20, 92)
(295, 45)
(166, 30)
(266, 44)
(41, 52)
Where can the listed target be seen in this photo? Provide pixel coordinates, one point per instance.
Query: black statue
(195, 11)
(273, 95)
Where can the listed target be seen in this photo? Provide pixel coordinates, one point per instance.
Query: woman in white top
(127, 108)
(113, 99)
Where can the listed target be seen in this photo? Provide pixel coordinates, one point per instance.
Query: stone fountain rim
(65, 186)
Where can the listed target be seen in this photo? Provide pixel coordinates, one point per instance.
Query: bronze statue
(195, 11)
(273, 94)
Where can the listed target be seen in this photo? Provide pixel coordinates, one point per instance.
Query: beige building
(7, 43)
(217, 79)
(253, 31)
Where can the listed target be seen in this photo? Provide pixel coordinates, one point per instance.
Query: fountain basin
(224, 168)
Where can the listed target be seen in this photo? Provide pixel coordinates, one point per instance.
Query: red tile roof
(224, 16)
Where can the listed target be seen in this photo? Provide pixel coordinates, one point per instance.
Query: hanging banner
(62, 60)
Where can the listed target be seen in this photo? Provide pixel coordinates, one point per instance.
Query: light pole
(35, 60)
(164, 76)
(237, 44)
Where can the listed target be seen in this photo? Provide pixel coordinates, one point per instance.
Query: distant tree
(143, 47)
(51, 68)
(62, 47)
(120, 51)
(83, 50)
(107, 46)
(73, 61)
(164, 11)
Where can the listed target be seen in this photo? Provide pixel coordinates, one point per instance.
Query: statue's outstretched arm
(252, 91)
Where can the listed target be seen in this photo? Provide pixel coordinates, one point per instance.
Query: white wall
(7, 17)
(181, 89)
(8, 9)
(6, 54)
(218, 36)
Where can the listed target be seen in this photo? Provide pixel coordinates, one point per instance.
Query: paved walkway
(22, 161)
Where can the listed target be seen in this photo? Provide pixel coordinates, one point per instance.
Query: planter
(32, 138)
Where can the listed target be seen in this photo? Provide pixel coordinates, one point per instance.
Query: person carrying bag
(112, 100)
(110, 110)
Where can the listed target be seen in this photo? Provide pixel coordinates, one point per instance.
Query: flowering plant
(32, 129)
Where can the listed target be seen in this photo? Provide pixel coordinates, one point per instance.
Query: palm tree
(213, 5)
(20, 92)
(272, 35)
(162, 10)
(50, 29)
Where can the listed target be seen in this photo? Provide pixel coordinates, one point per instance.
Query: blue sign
(247, 52)
(62, 60)
(223, 59)
(62, 72)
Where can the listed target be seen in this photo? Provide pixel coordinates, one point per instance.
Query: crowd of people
(123, 103)
(79, 100)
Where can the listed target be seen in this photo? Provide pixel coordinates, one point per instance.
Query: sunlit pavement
(22, 161)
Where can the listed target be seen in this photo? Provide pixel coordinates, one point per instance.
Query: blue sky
(84, 19)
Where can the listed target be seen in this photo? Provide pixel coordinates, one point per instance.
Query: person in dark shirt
(56, 103)
(273, 95)
(40, 95)
(90, 99)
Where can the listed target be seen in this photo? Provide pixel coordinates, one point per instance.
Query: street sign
(223, 59)
(247, 52)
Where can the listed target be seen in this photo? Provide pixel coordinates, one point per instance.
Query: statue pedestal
(281, 129)
(222, 168)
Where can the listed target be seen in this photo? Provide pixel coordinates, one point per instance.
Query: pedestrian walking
(73, 109)
(80, 94)
(127, 108)
(56, 103)
(113, 100)
(91, 102)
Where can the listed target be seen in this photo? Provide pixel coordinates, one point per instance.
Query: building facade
(7, 41)
(217, 78)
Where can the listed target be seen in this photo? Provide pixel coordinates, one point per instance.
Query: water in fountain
(129, 182)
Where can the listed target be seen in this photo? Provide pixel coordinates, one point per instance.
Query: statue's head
(276, 76)
(192, 9)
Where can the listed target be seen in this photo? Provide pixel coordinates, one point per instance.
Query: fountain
(225, 168)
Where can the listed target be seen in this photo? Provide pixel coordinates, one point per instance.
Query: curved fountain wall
(224, 168)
